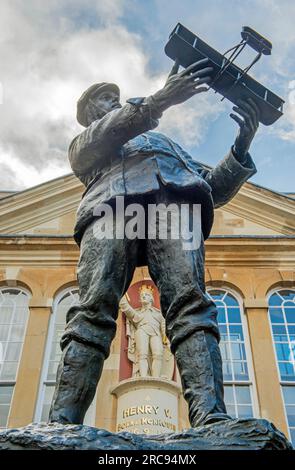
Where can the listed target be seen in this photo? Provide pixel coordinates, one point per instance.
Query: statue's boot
(78, 374)
(200, 366)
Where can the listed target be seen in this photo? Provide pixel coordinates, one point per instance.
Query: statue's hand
(124, 304)
(164, 340)
(179, 87)
(248, 126)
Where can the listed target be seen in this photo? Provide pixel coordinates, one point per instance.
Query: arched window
(238, 383)
(14, 309)
(53, 354)
(282, 317)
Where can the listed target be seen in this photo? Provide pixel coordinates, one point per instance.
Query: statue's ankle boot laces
(200, 366)
(77, 376)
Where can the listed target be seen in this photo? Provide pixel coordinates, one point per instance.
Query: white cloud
(46, 70)
(18, 173)
(52, 51)
(189, 124)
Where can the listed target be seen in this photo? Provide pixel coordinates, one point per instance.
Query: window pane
(221, 315)
(49, 390)
(52, 369)
(279, 330)
(224, 349)
(234, 315)
(61, 313)
(286, 371)
(5, 400)
(245, 411)
(65, 303)
(5, 314)
(283, 351)
(280, 333)
(4, 410)
(238, 351)
(292, 436)
(231, 410)
(240, 371)
(290, 410)
(17, 332)
(228, 394)
(5, 394)
(4, 329)
(289, 395)
(227, 370)
(243, 395)
(287, 294)
(13, 351)
(238, 401)
(230, 300)
(276, 315)
(236, 332)
(8, 370)
(58, 334)
(216, 294)
(289, 304)
(223, 330)
(56, 351)
(20, 316)
(276, 300)
(290, 315)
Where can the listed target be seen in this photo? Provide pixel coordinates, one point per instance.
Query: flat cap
(92, 91)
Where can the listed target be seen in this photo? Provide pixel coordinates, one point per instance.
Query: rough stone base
(238, 434)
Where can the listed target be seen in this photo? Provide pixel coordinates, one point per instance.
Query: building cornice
(54, 251)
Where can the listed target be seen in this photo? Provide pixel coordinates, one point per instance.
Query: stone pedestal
(147, 405)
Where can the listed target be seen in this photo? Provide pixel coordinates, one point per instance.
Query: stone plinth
(147, 405)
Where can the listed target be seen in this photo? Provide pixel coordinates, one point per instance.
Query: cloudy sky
(51, 51)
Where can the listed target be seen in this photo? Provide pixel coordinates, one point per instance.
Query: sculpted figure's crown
(145, 288)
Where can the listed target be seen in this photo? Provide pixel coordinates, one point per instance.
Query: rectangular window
(13, 317)
(52, 358)
(282, 318)
(238, 400)
(237, 383)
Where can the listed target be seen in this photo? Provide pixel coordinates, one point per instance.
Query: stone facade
(250, 252)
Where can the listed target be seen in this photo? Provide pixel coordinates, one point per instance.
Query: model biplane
(229, 79)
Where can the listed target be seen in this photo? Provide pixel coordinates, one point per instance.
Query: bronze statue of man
(118, 155)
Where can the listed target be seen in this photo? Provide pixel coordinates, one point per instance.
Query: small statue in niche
(148, 347)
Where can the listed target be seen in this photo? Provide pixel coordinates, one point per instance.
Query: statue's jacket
(119, 155)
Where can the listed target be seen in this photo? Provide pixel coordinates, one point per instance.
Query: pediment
(50, 209)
